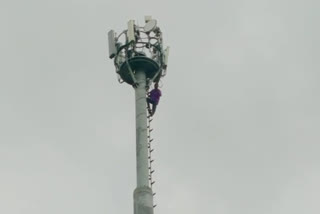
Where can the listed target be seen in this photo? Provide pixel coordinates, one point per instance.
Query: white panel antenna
(147, 19)
(112, 44)
(166, 56)
(130, 33)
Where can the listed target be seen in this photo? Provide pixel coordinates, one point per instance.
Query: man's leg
(154, 107)
(148, 103)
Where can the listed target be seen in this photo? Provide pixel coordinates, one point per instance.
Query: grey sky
(237, 130)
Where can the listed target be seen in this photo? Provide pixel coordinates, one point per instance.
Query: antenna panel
(147, 19)
(112, 44)
(166, 56)
(130, 32)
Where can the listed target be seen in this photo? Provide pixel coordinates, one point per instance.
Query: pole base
(143, 200)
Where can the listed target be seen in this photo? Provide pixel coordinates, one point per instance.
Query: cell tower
(140, 60)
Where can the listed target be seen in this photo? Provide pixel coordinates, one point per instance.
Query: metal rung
(150, 120)
(154, 206)
(152, 182)
(151, 161)
(151, 150)
(150, 130)
(152, 172)
(154, 194)
(151, 140)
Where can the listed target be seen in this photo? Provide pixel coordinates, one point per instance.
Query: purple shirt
(155, 95)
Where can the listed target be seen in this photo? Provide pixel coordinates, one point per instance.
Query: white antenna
(150, 26)
(112, 44)
(166, 56)
(147, 18)
(130, 33)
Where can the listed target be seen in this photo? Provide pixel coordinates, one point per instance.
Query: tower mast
(140, 60)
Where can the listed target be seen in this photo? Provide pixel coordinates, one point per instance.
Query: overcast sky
(236, 132)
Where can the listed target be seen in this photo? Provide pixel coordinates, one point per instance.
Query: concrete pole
(143, 198)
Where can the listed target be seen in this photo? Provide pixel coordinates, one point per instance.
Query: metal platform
(150, 66)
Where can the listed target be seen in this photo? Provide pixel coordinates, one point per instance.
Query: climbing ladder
(151, 160)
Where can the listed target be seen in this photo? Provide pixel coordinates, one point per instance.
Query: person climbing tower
(153, 98)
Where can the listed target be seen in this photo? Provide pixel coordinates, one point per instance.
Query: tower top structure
(136, 48)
